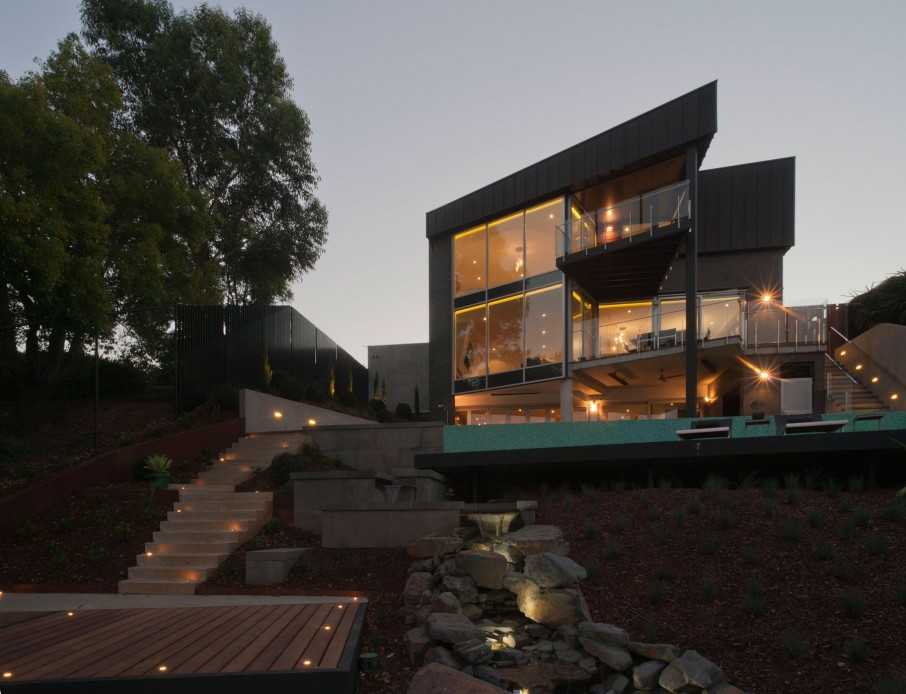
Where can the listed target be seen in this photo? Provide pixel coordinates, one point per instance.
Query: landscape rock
(462, 587)
(441, 655)
(486, 569)
(452, 628)
(549, 570)
(545, 676)
(532, 539)
(645, 676)
(446, 602)
(569, 655)
(502, 654)
(617, 684)
(538, 632)
(417, 644)
(614, 657)
(471, 611)
(695, 670)
(440, 679)
(723, 688)
(422, 565)
(604, 633)
(490, 675)
(416, 585)
(570, 634)
(589, 665)
(433, 546)
(473, 651)
(553, 606)
(655, 651)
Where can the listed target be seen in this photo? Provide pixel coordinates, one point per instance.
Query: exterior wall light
(874, 380)
(842, 352)
(764, 375)
(311, 422)
(593, 407)
(278, 414)
(767, 298)
(894, 396)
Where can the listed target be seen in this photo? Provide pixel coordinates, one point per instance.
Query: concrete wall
(379, 446)
(401, 367)
(881, 351)
(258, 410)
(387, 525)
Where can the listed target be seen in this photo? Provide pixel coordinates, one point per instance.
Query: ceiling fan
(662, 377)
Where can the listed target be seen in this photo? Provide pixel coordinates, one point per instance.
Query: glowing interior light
(339, 607)
(278, 414)
(874, 380)
(147, 554)
(593, 407)
(327, 628)
(311, 422)
(842, 352)
(858, 367)
(894, 396)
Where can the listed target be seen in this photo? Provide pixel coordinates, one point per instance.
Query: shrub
(694, 505)
(661, 534)
(853, 603)
(377, 405)
(592, 568)
(901, 594)
(833, 487)
(847, 528)
(889, 684)
(98, 555)
(861, 517)
(589, 491)
(856, 649)
(52, 548)
(793, 488)
(314, 391)
(655, 593)
(770, 508)
(793, 531)
(158, 464)
(64, 525)
(226, 397)
(679, 517)
(566, 501)
(283, 465)
(650, 628)
(347, 398)
(814, 517)
(618, 485)
(844, 571)
(123, 532)
(712, 485)
(876, 545)
(750, 555)
(707, 544)
(253, 544)
(855, 484)
(665, 483)
(622, 523)
(895, 509)
(272, 526)
(287, 386)
(590, 531)
(747, 482)
(385, 417)
(404, 411)
(665, 572)
(613, 551)
(28, 529)
(227, 569)
(794, 645)
(753, 602)
(725, 520)
(707, 590)
(769, 487)
(653, 513)
(823, 551)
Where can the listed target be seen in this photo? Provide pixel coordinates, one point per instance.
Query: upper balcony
(622, 251)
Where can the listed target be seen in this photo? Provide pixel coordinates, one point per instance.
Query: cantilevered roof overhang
(655, 136)
(626, 269)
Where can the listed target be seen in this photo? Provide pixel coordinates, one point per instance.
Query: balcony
(623, 251)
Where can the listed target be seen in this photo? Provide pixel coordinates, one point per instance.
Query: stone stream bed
(507, 614)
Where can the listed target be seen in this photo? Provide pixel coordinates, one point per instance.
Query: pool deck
(148, 644)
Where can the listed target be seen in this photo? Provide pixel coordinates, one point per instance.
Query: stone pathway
(210, 520)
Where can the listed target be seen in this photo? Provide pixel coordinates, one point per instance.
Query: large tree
(92, 220)
(213, 91)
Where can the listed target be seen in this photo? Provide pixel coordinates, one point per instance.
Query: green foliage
(158, 464)
(793, 531)
(283, 465)
(567, 501)
(679, 517)
(665, 572)
(665, 483)
(347, 399)
(98, 555)
(883, 303)
(769, 507)
(314, 391)
(856, 484)
(28, 529)
(769, 487)
(847, 528)
(876, 545)
(895, 510)
(856, 649)
(227, 569)
(385, 417)
(589, 491)
(888, 684)
(753, 602)
(52, 548)
(823, 551)
(28, 472)
(748, 482)
(622, 523)
(378, 405)
(750, 555)
(287, 386)
(253, 544)
(64, 525)
(707, 589)
(226, 397)
(618, 485)
(793, 488)
(613, 550)
(123, 532)
(592, 567)
(844, 571)
(901, 594)
(707, 544)
(861, 517)
(590, 531)
(655, 593)
(794, 645)
(661, 534)
(852, 603)
(403, 410)
(712, 485)
(725, 520)
(694, 505)
(650, 628)
(272, 526)
(814, 517)
(833, 487)
(653, 513)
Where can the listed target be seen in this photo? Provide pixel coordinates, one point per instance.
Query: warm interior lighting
(278, 414)
(858, 367)
(894, 396)
(842, 352)
(339, 607)
(593, 407)
(311, 422)
(147, 554)
(874, 380)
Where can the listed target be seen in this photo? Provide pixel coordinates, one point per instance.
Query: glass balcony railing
(644, 214)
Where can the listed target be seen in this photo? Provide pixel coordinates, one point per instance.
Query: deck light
(874, 380)
(894, 396)
(278, 414)
(327, 628)
(69, 614)
(842, 352)
(162, 668)
(7, 675)
(307, 662)
(147, 554)
(311, 422)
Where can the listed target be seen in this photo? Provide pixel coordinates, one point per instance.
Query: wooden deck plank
(268, 647)
(231, 640)
(58, 657)
(321, 639)
(55, 625)
(224, 660)
(115, 663)
(192, 636)
(331, 657)
(292, 650)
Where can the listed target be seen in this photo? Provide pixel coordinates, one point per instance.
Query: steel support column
(692, 284)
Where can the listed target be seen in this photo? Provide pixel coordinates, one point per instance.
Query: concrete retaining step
(250, 514)
(156, 587)
(166, 536)
(209, 559)
(208, 487)
(190, 525)
(188, 547)
(187, 572)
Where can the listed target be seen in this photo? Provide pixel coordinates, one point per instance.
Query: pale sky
(414, 104)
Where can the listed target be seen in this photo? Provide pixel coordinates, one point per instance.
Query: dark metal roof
(660, 133)
(625, 269)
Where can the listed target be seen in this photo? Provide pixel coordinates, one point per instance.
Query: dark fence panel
(227, 344)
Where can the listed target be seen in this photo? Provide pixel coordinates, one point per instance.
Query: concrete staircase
(210, 520)
(843, 395)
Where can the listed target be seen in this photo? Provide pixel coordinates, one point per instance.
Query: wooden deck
(237, 648)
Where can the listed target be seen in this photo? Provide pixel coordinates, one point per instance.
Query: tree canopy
(213, 91)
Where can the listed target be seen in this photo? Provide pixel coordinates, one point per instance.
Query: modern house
(619, 280)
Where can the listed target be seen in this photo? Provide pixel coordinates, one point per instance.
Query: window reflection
(720, 317)
(471, 342)
(673, 323)
(544, 326)
(506, 254)
(540, 227)
(469, 265)
(624, 328)
(505, 334)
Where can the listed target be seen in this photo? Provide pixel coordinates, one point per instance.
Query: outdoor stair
(210, 520)
(846, 396)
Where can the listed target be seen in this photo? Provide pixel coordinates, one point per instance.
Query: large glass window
(673, 322)
(469, 262)
(720, 316)
(540, 229)
(471, 342)
(506, 254)
(583, 324)
(624, 328)
(505, 334)
(544, 326)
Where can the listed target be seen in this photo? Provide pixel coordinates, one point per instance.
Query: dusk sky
(414, 104)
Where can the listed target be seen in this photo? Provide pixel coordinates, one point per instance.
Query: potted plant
(158, 465)
(757, 409)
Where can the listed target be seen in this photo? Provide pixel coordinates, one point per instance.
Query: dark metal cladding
(227, 344)
(661, 132)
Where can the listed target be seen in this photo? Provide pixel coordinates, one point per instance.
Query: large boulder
(645, 676)
(604, 633)
(433, 546)
(473, 651)
(690, 672)
(417, 644)
(614, 657)
(552, 606)
(439, 654)
(549, 570)
(486, 568)
(461, 587)
(532, 539)
(452, 628)
(440, 679)
(446, 602)
(655, 651)
(418, 589)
